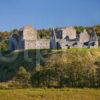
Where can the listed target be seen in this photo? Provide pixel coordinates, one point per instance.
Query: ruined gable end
(29, 33)
(70, 32)
(84, 37)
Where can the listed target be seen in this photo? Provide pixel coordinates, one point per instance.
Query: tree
(44, 33)
(23, 77)
(79, 29)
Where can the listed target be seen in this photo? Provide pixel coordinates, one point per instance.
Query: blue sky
(48, 13)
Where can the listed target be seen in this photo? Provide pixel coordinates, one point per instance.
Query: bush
(23, 77)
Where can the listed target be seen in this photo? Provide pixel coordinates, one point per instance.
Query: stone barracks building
(26, 38)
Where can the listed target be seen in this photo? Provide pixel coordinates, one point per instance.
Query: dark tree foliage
(79, 29)
(44, 33)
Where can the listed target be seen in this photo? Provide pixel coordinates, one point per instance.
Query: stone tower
(30, 37)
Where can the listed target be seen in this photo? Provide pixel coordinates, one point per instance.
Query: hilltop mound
(49, 68)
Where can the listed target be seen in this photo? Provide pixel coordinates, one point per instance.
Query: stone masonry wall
(43, 44)
(30, 37)
(69, 31)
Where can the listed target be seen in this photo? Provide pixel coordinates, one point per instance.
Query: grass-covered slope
(70, 67)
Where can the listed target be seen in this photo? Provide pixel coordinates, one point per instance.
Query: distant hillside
(62, 68)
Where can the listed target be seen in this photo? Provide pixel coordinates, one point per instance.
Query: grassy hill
(46, 68)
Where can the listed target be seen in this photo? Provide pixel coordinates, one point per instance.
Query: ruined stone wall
(30, 44)
(43, 44)
(39, 44)
(29, 33)
(84, 37)
(96, 44)
(69, 31)
(30, 37)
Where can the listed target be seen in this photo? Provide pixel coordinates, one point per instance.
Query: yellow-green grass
(50, 94)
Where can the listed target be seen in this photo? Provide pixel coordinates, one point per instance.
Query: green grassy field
(50, 94)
